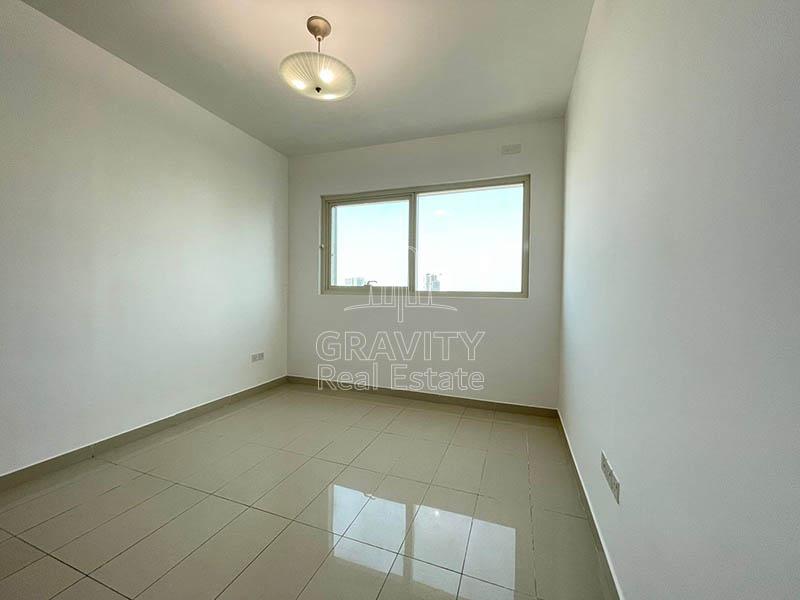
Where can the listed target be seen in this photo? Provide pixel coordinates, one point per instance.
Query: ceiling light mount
(317, 75)
(319, 27)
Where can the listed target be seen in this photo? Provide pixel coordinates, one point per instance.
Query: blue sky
(472, 239)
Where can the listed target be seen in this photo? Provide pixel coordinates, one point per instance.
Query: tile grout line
(187, 509)
(383, 474)
(63, 512)
(344, 534)
(340, 536)
(416, 512)
(47, 492)
(87, 576)
(46, 554)
(13, 537)
(87, 532)
(207, 540)
(47, 520)
(308, 458)
(480, 487)
(530, 512)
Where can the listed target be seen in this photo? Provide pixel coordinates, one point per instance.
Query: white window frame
(410, 194)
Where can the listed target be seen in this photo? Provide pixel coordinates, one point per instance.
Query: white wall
(520, 353)
(681, 320)
(143, 247)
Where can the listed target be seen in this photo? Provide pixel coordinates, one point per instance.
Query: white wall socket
(256, 357)
(611, 477)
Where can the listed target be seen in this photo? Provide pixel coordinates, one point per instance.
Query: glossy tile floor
(307, 494)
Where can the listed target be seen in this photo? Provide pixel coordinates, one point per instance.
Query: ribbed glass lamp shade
(318, 76)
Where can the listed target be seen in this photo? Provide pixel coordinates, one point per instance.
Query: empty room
(399, 299)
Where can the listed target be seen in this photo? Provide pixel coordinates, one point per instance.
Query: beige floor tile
(473, 433)
(43, 485)
(227, 468)
(240, 424)
(251, 422)
(173, 450)
(553, 487)
(461, 469)
(473, 589)
(15, 555)
(73, 523)
(349, 414)
(352, 571)
(210, 568)
(426, 425)
(100, 545)
(500, 547)
(566, 561)
(31, 513)
(383, 452)
(189, 451)
(384, 400)
(348, 445)
(196, 456)
(284, 568)
(408, 421)
(278, 432)
(138, 567)
(388, 475)
(88, 589)
(386, 518)
(513, 514)
(478, 413)
(294, 493)
(339, 504)
(128, 450)
(525, 419)
(419, 461)
(547, 445)
(440, 407)
(505, 476)
(40, 580)
(378, 418)
(315, 438)
(440, 530)
(509, 437)
(254, 483)
(411, 579)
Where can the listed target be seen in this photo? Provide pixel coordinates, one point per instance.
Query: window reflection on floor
(345, 503)
(344, 506)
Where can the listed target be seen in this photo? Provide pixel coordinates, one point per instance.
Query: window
(468, 239)
(369, 244)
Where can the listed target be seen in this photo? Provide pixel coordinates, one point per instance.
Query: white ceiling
(423, 67)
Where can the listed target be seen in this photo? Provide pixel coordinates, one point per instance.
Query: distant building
(355, 281)
(432, 283)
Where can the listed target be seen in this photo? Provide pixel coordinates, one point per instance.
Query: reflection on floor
(305, 494)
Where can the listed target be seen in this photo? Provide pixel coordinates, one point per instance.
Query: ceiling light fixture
(317, 75)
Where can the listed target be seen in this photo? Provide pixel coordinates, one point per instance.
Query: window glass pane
(370, 244)
(470, 240)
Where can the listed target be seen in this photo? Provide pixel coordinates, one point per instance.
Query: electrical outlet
(511, 149)
(611, 477)
(256, 357)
